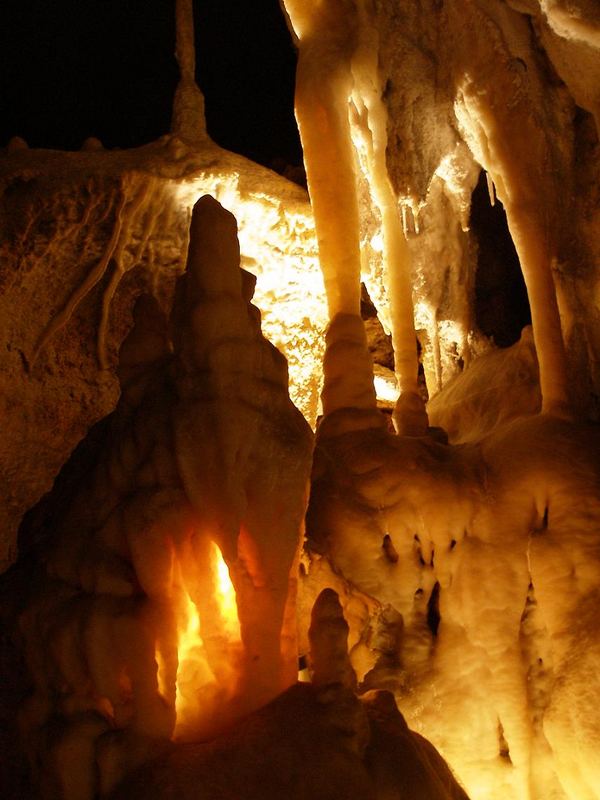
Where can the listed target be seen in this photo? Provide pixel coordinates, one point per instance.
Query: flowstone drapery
(195, 489)
(470, 575)
(462, 549)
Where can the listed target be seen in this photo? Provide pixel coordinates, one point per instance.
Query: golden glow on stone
(207, 672)
(278, 246)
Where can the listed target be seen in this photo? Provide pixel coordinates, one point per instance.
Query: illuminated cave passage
(244, 506)
(380, 347)
(380, 343)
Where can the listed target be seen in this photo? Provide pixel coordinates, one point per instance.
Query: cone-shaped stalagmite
(205, 454)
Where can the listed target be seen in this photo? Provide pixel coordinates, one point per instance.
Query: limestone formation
(339, 746)
(450, 579)
(199, 478)
(83, 235)
(483, 560)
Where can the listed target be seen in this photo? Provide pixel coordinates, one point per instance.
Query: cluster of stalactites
(337, 80)
(343, 125)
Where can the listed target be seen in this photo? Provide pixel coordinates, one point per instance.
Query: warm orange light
(208, 650)
(190, 634)
(193, 670)
(225, 595)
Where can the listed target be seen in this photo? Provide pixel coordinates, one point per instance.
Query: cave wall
(446, 559)
(513, 59)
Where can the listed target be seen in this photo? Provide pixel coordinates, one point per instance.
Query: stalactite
(335, 67)
(188, 121)
(461, 582)
(371, 121)
(516, 174)
(322, 90)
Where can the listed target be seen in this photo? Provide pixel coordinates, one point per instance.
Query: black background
(70, 69)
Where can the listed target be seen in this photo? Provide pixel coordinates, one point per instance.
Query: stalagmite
(162, 538)
(328, 636)
(348, 369)
(253, 514)
(68, 244)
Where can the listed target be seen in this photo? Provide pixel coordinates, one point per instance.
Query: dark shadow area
(79, 68)
(433, 610)
(246, 67)
(501, 303)
(106, 68)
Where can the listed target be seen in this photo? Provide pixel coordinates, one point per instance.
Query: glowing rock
(315, 740)
(95, 230)
(165, 604)
(477, 561)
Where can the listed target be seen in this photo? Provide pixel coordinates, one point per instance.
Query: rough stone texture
(315, 740)
(59, 212)
(300, 747)
(497, 387)
(516, 57)
(470, 574)
(83, 234)
(432, 174)
(204, 449)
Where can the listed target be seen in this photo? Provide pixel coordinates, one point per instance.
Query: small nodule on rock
(16, 143)
(92, 144)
